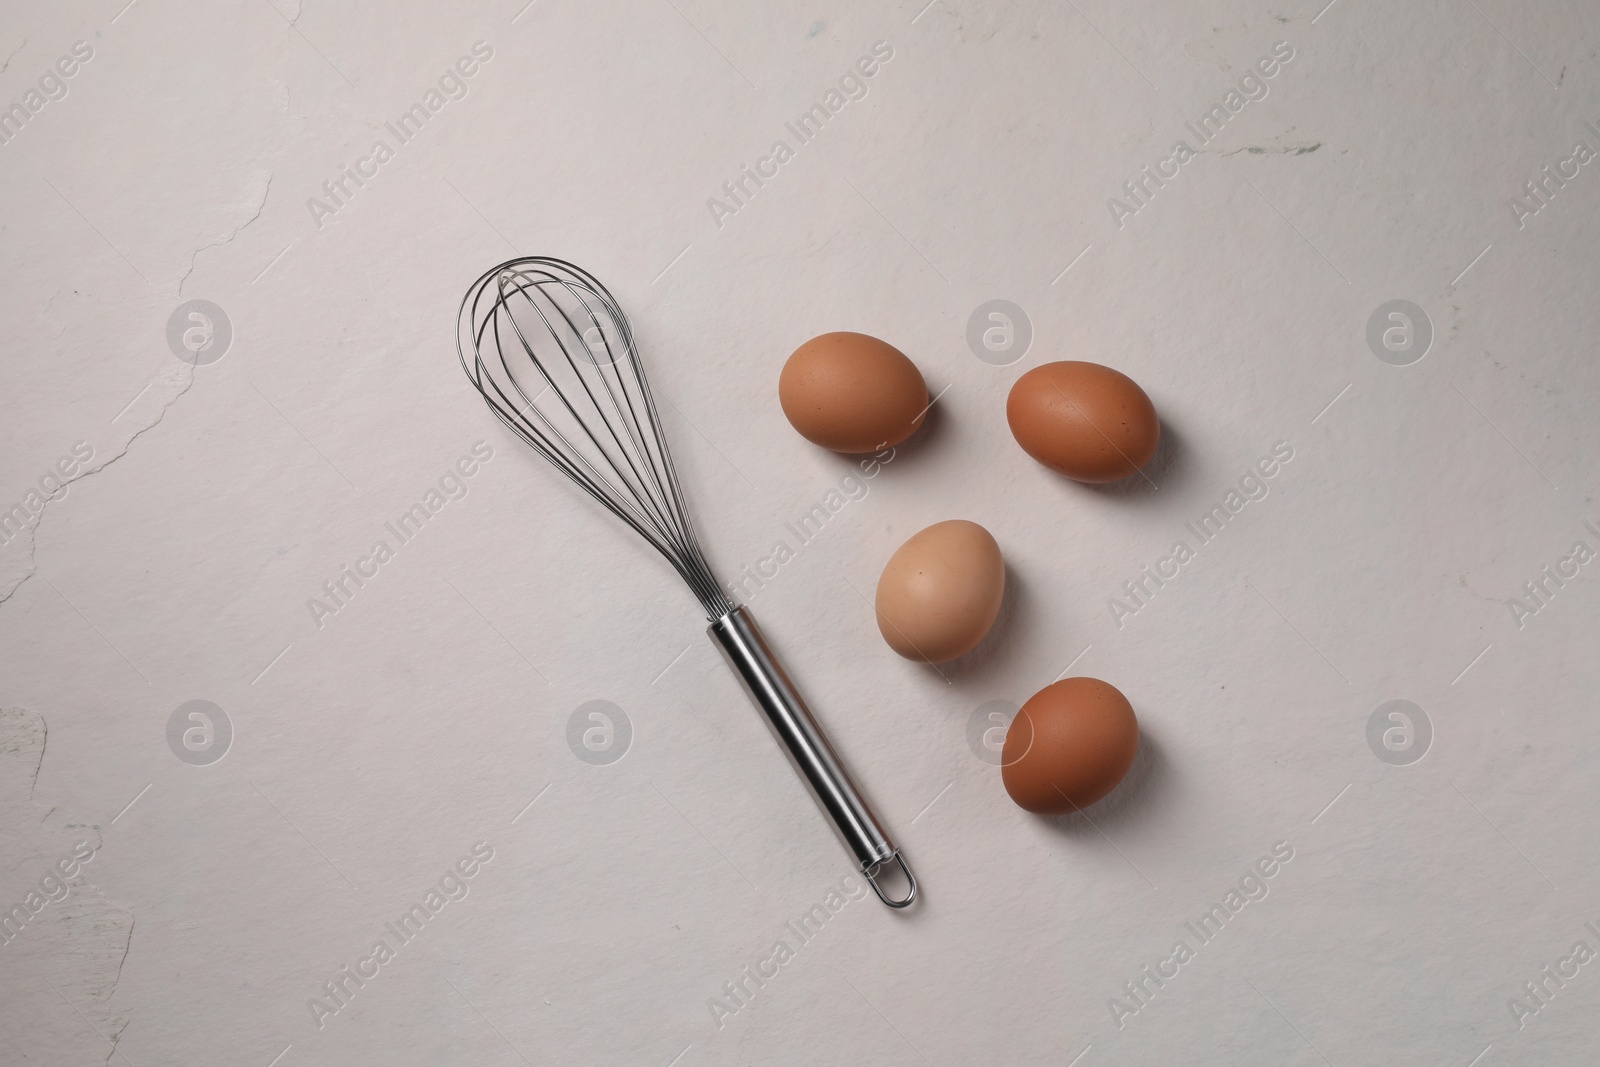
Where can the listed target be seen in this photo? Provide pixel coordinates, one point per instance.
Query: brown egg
(941, 591)
(1069, 745)
(852, 393)
(1089, 422)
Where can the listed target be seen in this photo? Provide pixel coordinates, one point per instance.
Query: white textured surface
(371, 753)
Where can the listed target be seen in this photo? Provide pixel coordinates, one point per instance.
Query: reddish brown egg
(1089, 422)
(852, 393)
(1069, 745)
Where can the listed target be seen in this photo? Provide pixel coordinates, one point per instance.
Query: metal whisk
(552, 354)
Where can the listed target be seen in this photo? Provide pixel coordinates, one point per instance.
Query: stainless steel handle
(808, 749)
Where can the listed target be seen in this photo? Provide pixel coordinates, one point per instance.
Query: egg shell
(1089, 422)
(1068, 746)
(941, 591)
(852, 393)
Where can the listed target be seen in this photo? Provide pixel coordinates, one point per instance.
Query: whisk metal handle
(791, 722)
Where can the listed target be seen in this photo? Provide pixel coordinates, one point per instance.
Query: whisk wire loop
(635, 482)
(552, 354)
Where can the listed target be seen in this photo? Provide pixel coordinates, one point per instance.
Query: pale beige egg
(941, 591)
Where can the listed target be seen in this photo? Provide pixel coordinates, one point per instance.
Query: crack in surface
(124, 958)
(16, 738)
(82, 936)
(262, 206)
(127, 947)
(1461, 580)
(31, 530)
(49, 307)
(44, 742)
(1278, 150)
(24, 44)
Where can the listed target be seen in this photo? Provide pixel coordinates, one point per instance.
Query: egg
(1089, 422)
(852, 393)
(1068, 746)
(941, 591)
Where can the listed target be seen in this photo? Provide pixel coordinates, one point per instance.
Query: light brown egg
(1089, 422)
(941, 591)
(1069, 745)
(852, 393)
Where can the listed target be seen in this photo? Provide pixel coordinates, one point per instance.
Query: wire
(543, 326)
